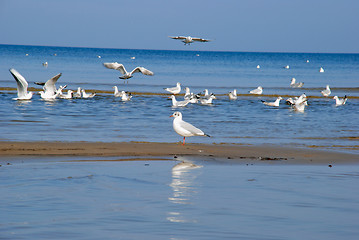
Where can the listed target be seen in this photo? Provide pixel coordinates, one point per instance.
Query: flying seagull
(122, 69)
(188, 40)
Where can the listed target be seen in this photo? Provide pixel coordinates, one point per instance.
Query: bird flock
(184, 129)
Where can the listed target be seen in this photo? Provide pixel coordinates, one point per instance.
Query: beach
(141, 150)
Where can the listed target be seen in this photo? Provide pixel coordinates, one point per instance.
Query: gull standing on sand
(185, 129)
(87, 95)
(127, 75)
(233, 95)
(273, 104)
(339, 102)
(258, 90)
(326, 92)
(294, 84)
(174, 90)
(22, 85)
(176, 103)
(188, 40)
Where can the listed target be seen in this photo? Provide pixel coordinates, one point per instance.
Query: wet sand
(139, 150)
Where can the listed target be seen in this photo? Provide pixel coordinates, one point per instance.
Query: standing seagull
(188, 40)
(185, 129)
(174, 90)
(22, 85)
(326, 92)
(127, 75)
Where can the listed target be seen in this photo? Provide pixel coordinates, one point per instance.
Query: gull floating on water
(273, 104)
(45, 64)
(78, 93)
(116, 93)
(174, 90)
(294, 84)
(183, 166)
(127, 75)
(125, 97)
(68, 95)
(326, 92)
(176, 103)
(339, 102)
(233, 95)
(188, 40)
(22, 85)
(258, 90)
(87, 95)
(207, 100)
(286, 67)
(296, 100)
(185, 129)
(321, 70)
(258, 66)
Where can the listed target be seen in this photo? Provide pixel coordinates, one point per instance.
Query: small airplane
(188, 40)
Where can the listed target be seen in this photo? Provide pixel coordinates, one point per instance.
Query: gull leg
(184, 138)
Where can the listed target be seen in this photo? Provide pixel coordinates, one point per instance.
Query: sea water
(84, 198)
(146, 117)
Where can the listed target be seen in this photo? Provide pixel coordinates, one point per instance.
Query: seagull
(45, 64)
(188, 94)
(294, 84)
(176, 103)
(48, 96)
(174, 90)
(188, 40)
(49, 86)
(258, 90)
(22, 85)
(233, 95)
(125, 97)
(296, 100)
(183, 166)
(78, 93)
(127, 75)
(86, 95)
(207, 101)
(321, 70)
(258, 66)
(300, 106)
(273, 104)
(116, 93)
(339, 102)
(286, 67)
(185, 129)
(326, 92)
(69, 95)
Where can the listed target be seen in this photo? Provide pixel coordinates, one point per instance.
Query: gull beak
(171, 116)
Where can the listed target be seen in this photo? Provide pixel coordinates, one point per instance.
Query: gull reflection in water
(183, 177)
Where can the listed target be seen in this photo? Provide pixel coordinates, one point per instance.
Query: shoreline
(141, 150)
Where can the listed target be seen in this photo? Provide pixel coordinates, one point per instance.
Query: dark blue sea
(87, 198)
(146, 118)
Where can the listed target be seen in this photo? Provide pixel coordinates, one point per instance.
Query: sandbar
(141, 150)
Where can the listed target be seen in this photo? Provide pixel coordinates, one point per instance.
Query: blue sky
(233, 25)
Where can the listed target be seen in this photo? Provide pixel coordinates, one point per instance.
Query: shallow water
(146, 118)
(59, 198)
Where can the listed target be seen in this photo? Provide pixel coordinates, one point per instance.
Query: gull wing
(189, 127)
(178, 37)
(50, 84)
(21, 83)
(142, 70)
(200, 39)
(116, 66)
